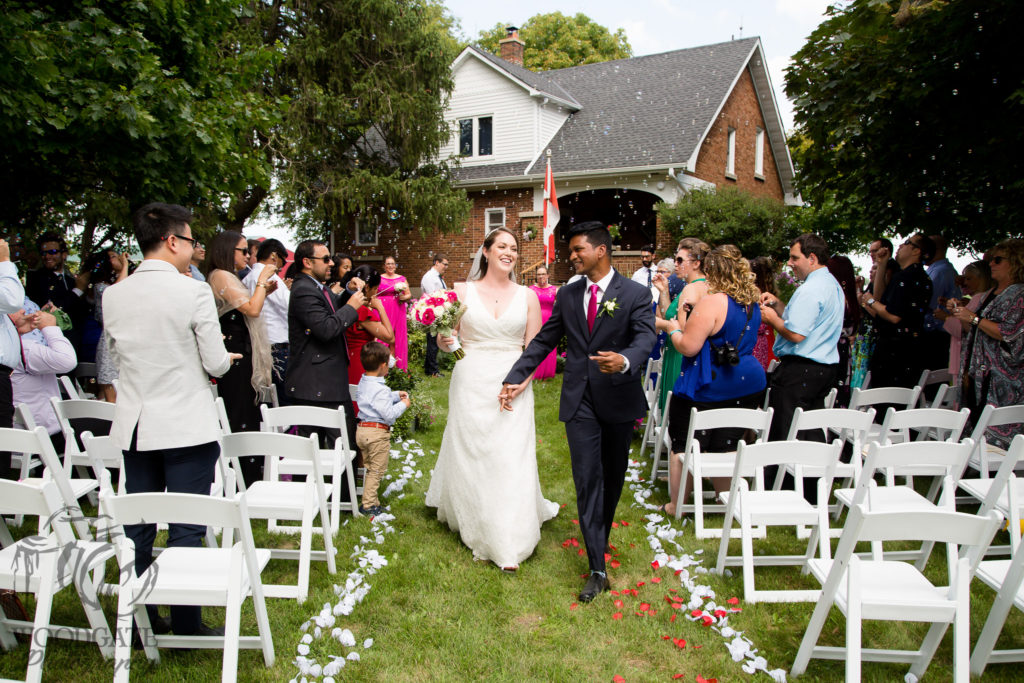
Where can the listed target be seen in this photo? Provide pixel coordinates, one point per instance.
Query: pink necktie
(592, 307)
(327, 295)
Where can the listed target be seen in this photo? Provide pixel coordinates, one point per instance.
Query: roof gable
(538, 85)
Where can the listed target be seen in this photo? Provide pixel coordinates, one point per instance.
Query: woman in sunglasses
(992, 365)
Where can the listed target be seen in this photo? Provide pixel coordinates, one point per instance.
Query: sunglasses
(908, 243)
(53, 252)
(325, 259)
(997, 259)
(680, 260)
(181, 237)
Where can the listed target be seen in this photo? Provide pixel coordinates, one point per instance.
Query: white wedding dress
(485, 483)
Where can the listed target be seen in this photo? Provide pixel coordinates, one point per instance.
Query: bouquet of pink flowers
(439, 313)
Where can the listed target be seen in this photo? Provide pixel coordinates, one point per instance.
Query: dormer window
(479, 130)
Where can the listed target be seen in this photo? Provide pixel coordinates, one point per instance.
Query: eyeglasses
(908, 243)
(53, 252)
(997, 259)
(325, 259)
(244, 251)
(181, 237)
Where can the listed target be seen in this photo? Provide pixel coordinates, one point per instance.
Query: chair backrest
(846, 422)
(996, 417)
(946, 425)
(23, 417)
(758, 420)
(1005, 473)
(273, 445)
(862, 398)
(69, 387)
(830, 397)
(281, 419)
(929, 377)
(79, 409)
(753, 458)
(913, 458)
(103, 457)
(772, 364)
(43, 501)
(945, 398)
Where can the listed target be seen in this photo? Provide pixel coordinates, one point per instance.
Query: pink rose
(428, 317)
(436, 301)
(452, 296)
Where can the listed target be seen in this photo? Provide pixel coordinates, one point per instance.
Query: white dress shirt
(166, 341)
(602, 287)
(644, 275)
(12, 299)
(275, 306)
(431, 281)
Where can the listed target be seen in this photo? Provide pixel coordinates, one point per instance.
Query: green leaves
(556, 41)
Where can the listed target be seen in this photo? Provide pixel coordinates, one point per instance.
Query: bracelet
(674, 331)
(264, 284)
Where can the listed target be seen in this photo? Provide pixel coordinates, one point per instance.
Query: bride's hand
(448, 342)
(508, 393)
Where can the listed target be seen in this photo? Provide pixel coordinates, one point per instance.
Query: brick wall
(742, 113)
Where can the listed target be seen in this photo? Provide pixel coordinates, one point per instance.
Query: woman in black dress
(245, 333)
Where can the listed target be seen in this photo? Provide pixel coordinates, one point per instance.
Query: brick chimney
(512, 46)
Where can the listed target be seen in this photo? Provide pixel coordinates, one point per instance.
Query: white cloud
(641, 39)
(807, 12)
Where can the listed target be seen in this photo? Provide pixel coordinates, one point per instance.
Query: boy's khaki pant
(375, 443)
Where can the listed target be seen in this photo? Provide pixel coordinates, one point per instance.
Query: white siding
(552, 116)
(481, 91)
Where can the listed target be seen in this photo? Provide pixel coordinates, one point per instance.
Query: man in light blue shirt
(806, 335)
(12, 297)
(943, 277)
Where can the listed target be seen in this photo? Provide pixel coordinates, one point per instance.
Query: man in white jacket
(166, 341)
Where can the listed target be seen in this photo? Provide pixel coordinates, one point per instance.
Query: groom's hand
(609, 362)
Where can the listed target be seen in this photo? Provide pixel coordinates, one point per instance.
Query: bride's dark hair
(488, 243)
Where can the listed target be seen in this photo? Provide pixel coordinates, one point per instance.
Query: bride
(485, 483)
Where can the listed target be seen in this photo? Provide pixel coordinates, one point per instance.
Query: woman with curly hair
(719, 368)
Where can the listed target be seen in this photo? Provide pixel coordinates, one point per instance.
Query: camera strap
(750, 314)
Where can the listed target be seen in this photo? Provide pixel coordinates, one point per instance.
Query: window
(480, 130)
(466, 137)
(495, 219)
(759, 154)
(483, 145)
(730, 158)
(366, 234)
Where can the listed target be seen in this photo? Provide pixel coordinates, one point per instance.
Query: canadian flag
(551, 215)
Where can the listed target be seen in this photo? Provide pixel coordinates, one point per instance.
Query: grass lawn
(435, 614)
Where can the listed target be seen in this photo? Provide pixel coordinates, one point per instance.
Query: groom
(609, 324)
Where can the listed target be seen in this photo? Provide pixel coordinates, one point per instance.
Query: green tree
(556, 41)
(758, 226)
(107, 105)
(367, 83)
(908, 118)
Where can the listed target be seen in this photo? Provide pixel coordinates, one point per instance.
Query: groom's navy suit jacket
(630, 331)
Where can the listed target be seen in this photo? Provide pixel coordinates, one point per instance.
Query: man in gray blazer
(166, 340)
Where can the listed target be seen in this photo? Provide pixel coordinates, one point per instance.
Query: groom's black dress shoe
(595, 585)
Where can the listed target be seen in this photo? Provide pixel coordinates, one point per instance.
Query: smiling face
(320, 265)
(502, 254)
(1000, 265)
(390, 266)
(584, 256)
(542, 277)
(53, 257)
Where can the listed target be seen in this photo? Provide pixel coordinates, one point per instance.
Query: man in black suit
(52, 283)
(317, 319)
(609, 326)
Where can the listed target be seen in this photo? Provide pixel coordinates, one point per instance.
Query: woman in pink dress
(546, 294)
(394, 292)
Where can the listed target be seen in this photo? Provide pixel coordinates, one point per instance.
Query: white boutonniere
(609, 307)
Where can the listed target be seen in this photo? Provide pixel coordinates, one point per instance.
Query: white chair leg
(994, 624)
(747, 544)
(810, 639)
(305, 547)
(41, 622)
(232, 628)
(98, 622)
(263, 624)
(853, 621)
(683, 476)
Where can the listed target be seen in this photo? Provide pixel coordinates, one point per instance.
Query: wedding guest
(943, 276)
(275, 307)
(379, 409)
(644, 275)
(52, 283)
(372, 322)
(342, 264)
(244, 333)
(546, 295)
(977, 278)
(45, 353)
(252, 246)
(317, 321)
(881, 251)
(725, 319)
(112, 269)
(899, 316)
(842, 270)
(394, 292)
(165, 420)
(763, 268)
(12, 296)
(807, 335)
(432, 281)
(197, 262)
(662, 270)
(992, 366)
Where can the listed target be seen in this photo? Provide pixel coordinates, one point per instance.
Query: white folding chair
(1006, 578)
(1003, 493)
(987, 457)
(887, 590)
(44, 567)
(334, 462)
(929, 378)
(189, 576)
(69, 387)
(286, 500)
(940, 459)
(79, 409)
(931, 424)
(38, 443)
(23, 419)
(776, 508)
(862, 399)
(653, 366)
(656, 432)
(698, 465)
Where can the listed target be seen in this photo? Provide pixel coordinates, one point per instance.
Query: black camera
(726, 354)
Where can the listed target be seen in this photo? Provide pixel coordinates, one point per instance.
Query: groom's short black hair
(595, 232)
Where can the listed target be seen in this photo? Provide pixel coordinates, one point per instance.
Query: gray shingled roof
(490, 171)
(642, 111)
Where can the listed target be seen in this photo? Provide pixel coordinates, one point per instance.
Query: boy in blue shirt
(379, 407)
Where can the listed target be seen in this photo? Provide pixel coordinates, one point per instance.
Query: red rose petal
(678, 676)
(615, 564)
(733, 601)
(624, 523)
(612, 547)
(656, 579)
(680, 643)
(639, 583)
(666, 637)
(701, 679)
(576, 522)
(615, 525)
(672, 590)
(696, 613)
(678, 572)
(644, 606)
(620, 679)
(607, 557)
(581, 552)
(672, 618)
(614, 592)
(719, 613)
(708, 620)
(618, 603)
(617, 615)
(574, 605)
(655, 564)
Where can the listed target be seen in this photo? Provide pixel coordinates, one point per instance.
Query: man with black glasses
(899, 356)
(166, 340)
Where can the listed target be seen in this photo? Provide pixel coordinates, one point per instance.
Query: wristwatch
(977, 319)
(870, 302)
